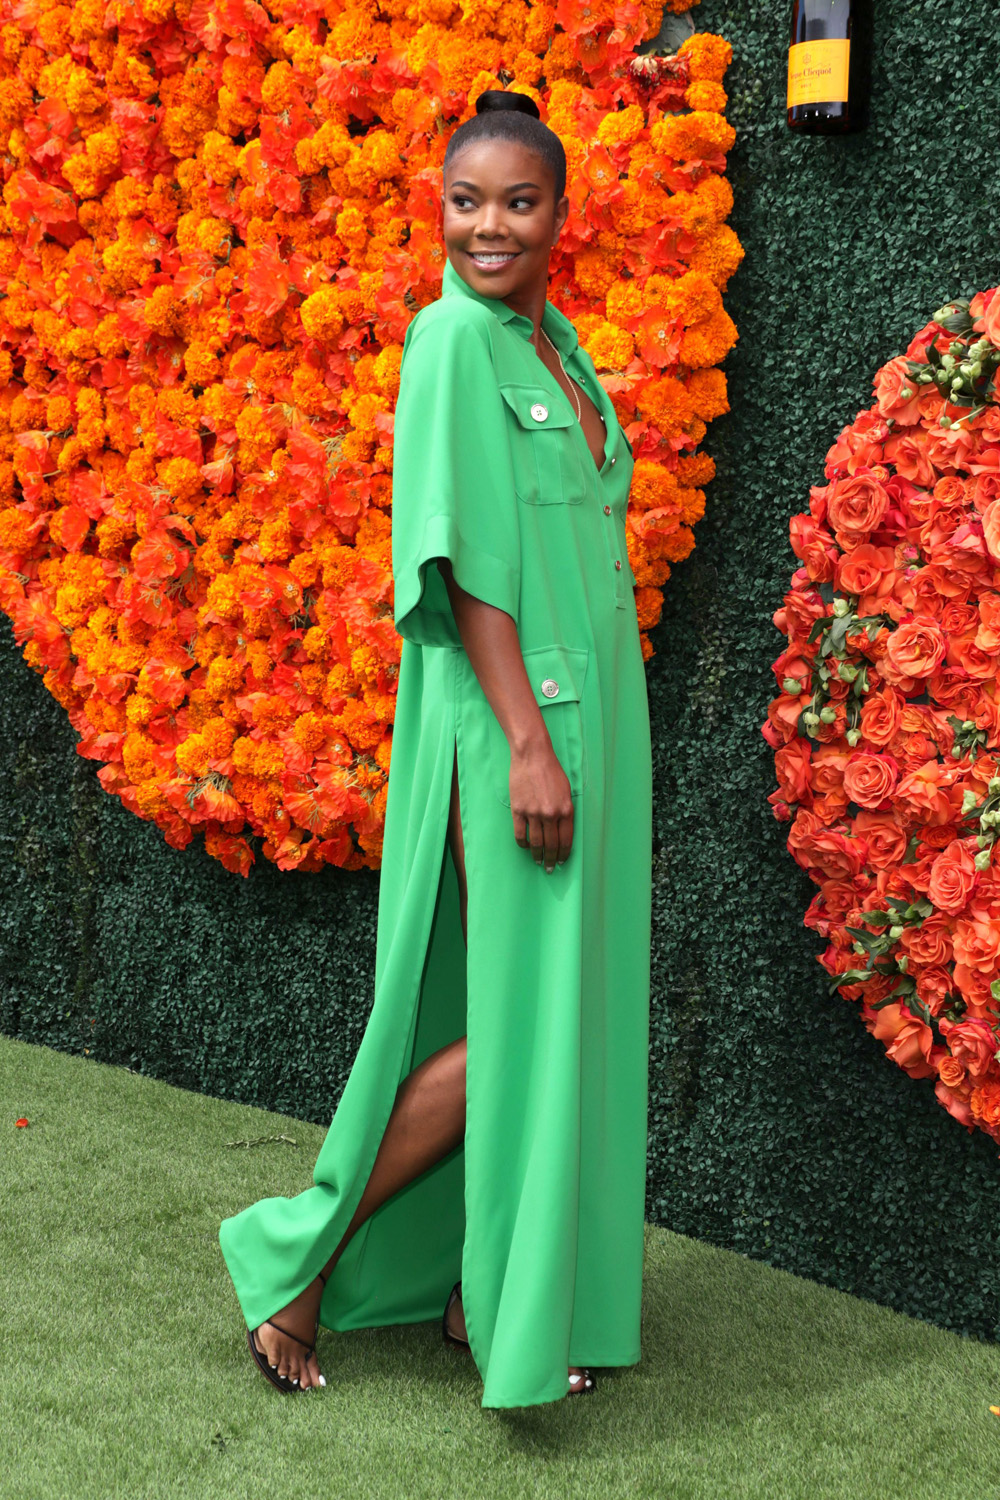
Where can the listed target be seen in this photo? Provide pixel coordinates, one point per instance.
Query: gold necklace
(572, 384)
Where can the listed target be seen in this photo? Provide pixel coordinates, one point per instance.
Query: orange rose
(950, 1071)
(840, 900)
(991, 315)
(897, 393)
(923, 792)
(934, 986)
(988, 634)
(832, 806)
(972, 1043)
(835, 855)
(915, 649)
(964, 653)
(953, 877)
(800, 612)
(930, 943)
(958, 619)
(954, 1103)
(977, 942)
(783, 718)
(870, 779)
(856, 506)
(870, 573)
(885, 839)
(814, 546)
(828, 767)
(880, 716)
(985, 488)
(985, 1105)
(908, 452)
(792, 764)
(908, 1041)
(991, 529)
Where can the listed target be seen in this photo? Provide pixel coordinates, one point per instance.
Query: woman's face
(501, 218)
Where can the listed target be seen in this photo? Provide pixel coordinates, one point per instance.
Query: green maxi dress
(540, 1211)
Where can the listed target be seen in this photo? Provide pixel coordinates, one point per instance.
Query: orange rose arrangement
(218, 220)
(887, 726)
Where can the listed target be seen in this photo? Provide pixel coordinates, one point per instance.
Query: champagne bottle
(829, 65)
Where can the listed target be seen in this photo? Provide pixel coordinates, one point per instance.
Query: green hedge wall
(777, 1126)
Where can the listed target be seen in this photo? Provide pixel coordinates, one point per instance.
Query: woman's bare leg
(427, 1121)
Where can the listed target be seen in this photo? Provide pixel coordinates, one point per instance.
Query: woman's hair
(502, 116)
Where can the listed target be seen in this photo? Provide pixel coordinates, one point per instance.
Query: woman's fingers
(549, 840)
(550, 835)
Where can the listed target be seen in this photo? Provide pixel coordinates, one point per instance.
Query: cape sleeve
(453, 479)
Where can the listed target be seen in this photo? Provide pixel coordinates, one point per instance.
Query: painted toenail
(322, 1380)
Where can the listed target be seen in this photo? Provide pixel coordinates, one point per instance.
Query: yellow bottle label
(817, 72)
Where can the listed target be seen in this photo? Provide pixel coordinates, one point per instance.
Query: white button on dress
(550, 687)
(539, 412)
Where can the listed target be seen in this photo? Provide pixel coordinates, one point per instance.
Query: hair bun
(501, 99)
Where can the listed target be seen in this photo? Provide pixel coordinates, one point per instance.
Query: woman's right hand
(540, 799)
(541, 804)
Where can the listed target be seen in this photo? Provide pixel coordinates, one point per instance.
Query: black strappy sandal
(449, 1337)
(584, 1385)
(282, 1382)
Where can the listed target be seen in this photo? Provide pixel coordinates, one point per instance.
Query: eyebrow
(513, 188)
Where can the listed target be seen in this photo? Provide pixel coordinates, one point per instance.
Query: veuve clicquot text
(829, 65)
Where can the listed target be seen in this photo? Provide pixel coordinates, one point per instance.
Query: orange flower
(202, 345)
(896, 671)
(985, 1104)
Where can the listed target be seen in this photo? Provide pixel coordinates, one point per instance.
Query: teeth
(492, 259)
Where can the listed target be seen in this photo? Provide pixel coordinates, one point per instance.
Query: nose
(490, 225)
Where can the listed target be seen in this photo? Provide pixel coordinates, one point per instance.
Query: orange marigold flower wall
(217, 223)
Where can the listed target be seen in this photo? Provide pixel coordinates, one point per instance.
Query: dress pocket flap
(535, 408)
(556, 673)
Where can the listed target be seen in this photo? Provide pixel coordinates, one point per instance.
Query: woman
(492, 1132)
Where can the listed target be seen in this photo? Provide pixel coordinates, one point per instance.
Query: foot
(285, 1356)
(579, 1379)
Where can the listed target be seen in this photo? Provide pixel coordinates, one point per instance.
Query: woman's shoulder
(453, 335)
(452, 314)
(449, 317)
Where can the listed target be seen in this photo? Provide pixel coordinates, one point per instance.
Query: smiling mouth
(492, 260)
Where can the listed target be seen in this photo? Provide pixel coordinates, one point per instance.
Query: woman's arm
(540, 798)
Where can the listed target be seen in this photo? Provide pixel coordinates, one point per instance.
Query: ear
(560, 217)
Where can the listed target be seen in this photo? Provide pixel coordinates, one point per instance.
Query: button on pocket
(557, 675)
(547, 468)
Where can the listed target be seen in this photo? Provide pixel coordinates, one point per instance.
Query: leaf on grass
(263, 1140)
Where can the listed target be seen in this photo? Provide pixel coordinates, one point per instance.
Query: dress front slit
(402, 1262)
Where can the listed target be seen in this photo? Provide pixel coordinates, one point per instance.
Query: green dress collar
(558, 327)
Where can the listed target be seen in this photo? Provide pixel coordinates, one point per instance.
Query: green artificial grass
(124, 1370)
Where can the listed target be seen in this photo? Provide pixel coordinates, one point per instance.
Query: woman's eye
(528, 202)
(459, 200)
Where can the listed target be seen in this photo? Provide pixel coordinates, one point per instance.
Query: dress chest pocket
(546, 458)
(557, 675)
